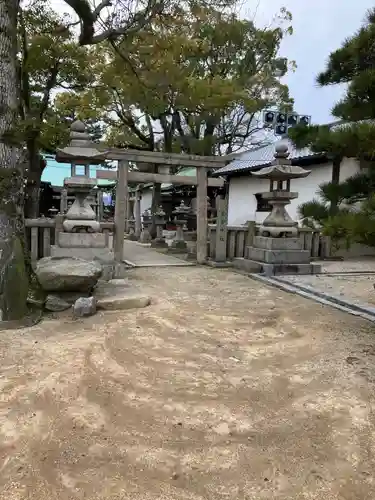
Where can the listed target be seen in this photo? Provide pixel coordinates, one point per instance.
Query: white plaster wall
(242, 202)
(146, 200)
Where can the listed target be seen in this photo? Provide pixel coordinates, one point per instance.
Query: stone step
(278, 256)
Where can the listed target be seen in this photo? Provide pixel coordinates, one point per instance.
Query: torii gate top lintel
(160, 158)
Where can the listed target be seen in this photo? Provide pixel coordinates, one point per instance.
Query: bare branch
(89, 17)
(103, 4)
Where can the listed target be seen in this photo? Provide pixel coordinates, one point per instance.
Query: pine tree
(353, 137)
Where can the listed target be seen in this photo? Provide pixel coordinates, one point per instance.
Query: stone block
(301, 269)
(247, 265)
(67, 274)
(214, 263)
(119, 299)
(276, 269)
(84, 306)
(268, 243)
(103, 255)
(279, 256)
(159, 243)
(55, 303)
(81, 240)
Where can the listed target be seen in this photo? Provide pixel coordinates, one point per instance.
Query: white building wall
(243, 204)
(146, 200)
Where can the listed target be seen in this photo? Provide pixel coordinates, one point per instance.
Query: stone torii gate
(164, 162)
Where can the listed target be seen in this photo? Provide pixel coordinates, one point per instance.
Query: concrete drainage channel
(365, 312)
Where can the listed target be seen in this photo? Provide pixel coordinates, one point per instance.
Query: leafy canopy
(192, 82)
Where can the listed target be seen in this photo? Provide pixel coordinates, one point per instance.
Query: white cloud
(319, 28)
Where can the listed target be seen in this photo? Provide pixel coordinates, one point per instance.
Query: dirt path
(222, 389)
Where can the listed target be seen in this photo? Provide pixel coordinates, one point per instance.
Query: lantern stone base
(132, 237)
(81, 240)
(277, 256)
(159, 243)
(253, 266)
(277, 251)
(145, 236)
(178, 246)
(268, 243)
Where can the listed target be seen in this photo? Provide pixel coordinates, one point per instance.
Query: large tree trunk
(34, 176)
(336, 167)
(13, 274)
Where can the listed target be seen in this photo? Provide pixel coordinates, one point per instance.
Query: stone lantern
(160, 220)
(146, 226)
(280, 173)
(81, 234)
(181, 213)
(80, 218)
(132, 236)
(277, 249)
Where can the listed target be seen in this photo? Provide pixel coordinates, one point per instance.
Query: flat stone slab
(104, 255)
(279, 256)
(122, 300)
(116, 296)
(82, 240)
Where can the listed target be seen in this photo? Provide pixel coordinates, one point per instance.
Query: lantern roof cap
(282, 168)
(81, 148)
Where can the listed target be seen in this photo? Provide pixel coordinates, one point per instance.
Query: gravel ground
(356, 288)
(222, 389)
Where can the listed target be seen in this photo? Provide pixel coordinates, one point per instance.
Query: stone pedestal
(179, 243)
(279, 256)
(81, 240)
(159, 241)
(145, 236)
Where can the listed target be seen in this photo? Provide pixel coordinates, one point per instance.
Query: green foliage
(347, 140)
(354, 63)
(49, 59)
(313, 212)
(192, 81)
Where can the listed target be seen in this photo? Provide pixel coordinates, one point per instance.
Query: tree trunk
(34, 176)
(336, 166)
(13, 273)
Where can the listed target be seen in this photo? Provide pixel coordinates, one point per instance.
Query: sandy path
(222, 389)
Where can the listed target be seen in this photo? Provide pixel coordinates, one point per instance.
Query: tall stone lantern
(80, 217)
(81, 235)
(280, 173)
(181, 216)
(277, 249)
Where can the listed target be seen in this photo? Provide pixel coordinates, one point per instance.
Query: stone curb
(327, 296)
(367, 313)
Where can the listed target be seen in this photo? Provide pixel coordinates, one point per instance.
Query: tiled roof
(261, 157)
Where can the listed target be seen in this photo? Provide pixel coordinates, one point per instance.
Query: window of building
(262, 204)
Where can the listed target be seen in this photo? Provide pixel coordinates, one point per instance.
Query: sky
(320, 27)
